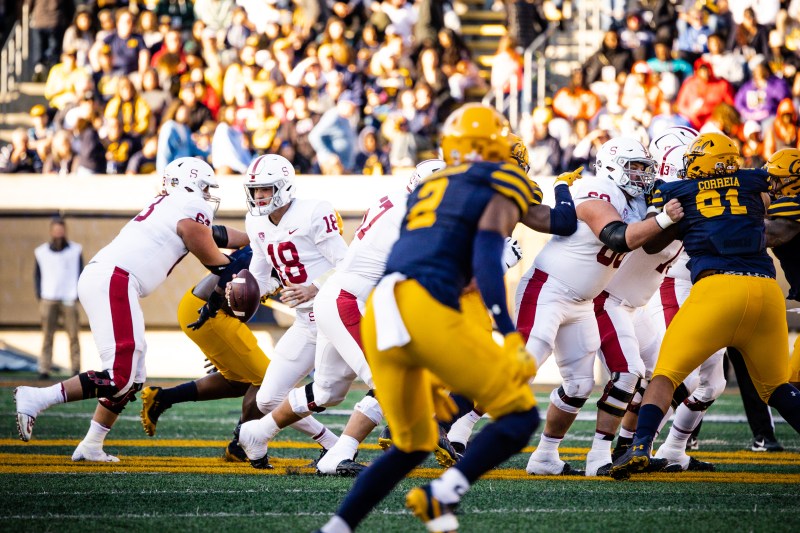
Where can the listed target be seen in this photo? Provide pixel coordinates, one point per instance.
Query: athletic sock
(626, 434)
(498, 441)
(52, 395)
(462, 428)
(346, 447)
(549, 444)
(786, 399)
(374, 483)
(336, 525)
(602, 442)
(450, 487)
(268, 428)
(650, 416)
(326, 438)
(96, 434)
(186, 392)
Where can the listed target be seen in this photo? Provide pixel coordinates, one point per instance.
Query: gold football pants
(449, 344)
(745, 312)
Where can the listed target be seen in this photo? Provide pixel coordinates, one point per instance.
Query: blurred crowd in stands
(362, 86)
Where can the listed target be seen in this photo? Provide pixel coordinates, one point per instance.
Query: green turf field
(178, 481)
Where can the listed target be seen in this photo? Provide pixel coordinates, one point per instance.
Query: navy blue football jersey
(788, 254)
(723, 223)
(436, 238)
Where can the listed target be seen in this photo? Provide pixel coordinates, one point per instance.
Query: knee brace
(570, 403)
(369, 407)
(618, 393)
(636, 402)
(97, 385)
(302, 400)
(680, 395)
(697, 405)
(116, 405)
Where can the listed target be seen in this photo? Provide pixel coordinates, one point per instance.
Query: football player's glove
(512, 253)
(209, 310)
(523, 363)
(570, 177)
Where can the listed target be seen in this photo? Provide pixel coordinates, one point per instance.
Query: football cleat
(760, 444)
(26, 412)
(96, 455)
(255, 447)
(623, 443)
(692, 444)
(436, 516)
(692, 465)
(385, 439)
(550, 465)
(346, 468)
(445, 453)
(460, 448)
(313, 464)
(636, 459)
(152, 408)
(234, 453)
(598, 463)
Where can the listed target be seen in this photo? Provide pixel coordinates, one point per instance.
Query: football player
(417, 339)
(227, 343)
(783, 227)
(734, 301)
(554, 298)
(301, 241)
(134, 264)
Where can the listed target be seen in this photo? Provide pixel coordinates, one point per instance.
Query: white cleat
(598, 463)
(545, 465)
(254, 445)
(27, 411)
(95, 455)
(676, 458)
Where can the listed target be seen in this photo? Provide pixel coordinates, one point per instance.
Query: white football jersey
(679, 269)
(581, 261)
(640, 274)
(303, 246)
(148, 247)
(363, 266)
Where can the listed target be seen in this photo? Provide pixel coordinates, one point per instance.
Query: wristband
(663, 220)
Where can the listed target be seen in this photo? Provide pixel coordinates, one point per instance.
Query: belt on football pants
(706, 273)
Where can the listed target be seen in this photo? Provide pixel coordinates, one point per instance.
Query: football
(243, 296)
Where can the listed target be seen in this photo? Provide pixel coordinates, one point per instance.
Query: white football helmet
(615, 159)
(674, 136)
(269, 171)
(191, 176)
(670, 165)
(423, 170)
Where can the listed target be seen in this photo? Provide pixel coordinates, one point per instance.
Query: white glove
(512, 253)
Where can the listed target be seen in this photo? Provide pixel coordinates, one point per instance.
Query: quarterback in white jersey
(299, 239)
(134, 264)
(554, 298)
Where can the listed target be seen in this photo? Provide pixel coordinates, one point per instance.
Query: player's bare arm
(198, 240)
(780, 231)
(607, 225)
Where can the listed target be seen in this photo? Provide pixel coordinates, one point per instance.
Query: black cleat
(636, 459)
(696, 465)
(692, 444)
(766, 444)
(234, 453)
(313, 464)
(604, 471)
(623, 443)
(460, 450)
(349, 468)
(444, 452)
(261, 464)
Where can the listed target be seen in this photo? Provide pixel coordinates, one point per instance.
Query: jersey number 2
(423, 213)
(285, 255)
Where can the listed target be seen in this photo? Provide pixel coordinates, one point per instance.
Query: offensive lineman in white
(554, 298)
(132, 266)
(339, 356)
(300, 240)
(629, 344)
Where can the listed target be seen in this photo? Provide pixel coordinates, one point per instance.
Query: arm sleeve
(563, 220)
(487, 268)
